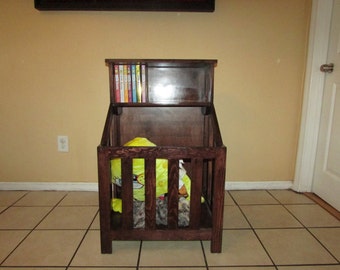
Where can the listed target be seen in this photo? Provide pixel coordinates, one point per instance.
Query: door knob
(327, 68)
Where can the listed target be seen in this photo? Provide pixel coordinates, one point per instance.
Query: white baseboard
(81, 186)
(60, 186)
(258, 185)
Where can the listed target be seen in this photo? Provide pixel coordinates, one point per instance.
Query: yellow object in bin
(116, 205)
(138, 171)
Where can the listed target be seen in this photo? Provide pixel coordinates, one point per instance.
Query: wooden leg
(105, 244)
(216, 245)
(104, 201)
(218, 203)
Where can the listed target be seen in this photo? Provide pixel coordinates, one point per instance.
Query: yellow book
(138, 83)
(126, 88)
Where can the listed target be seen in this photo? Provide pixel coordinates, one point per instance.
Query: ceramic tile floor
(275, 229)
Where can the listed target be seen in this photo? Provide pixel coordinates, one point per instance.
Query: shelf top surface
(160, 62)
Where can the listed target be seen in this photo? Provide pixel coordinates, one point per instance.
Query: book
(138, 83)
(125, 80)
(121, 82)
(143, 83)
(129, 86)
(117, 83)
(130, 82)
(133, 83)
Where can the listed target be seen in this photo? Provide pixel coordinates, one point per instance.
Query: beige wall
(54, 81)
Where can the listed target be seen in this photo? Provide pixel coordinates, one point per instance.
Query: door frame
(313, 92)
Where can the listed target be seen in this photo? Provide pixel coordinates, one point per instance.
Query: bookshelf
(175, 111)
(150, 82)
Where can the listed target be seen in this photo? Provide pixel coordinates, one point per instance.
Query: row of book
(130, 83)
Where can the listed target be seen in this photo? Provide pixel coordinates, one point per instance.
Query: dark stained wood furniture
(178, 115)
(128, 5)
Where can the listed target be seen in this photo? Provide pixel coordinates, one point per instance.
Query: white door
(326, 182)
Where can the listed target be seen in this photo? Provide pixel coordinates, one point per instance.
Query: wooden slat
(177, 234)
(209, 166)
(127, 193)
(196, 192)
(165, 152)
(150, 193)
(173, 175)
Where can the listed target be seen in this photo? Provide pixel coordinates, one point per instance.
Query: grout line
(30, 230)
(75, 252)
(139, 254)
(230, 195)
(204, 256)
(256, 235)
(308, 230)
(10, 253)
(283, 205)
(82, 240)
(271, 195)
(314, 236)
(308, 264)
(20, 198)
(189, 267)
(13, 204)
(292, 214)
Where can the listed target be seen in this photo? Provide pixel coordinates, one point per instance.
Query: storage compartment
(183, 127)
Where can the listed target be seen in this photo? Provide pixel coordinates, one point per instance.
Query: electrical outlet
(62, 143)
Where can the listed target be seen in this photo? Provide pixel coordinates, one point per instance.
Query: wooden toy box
(169, 102)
